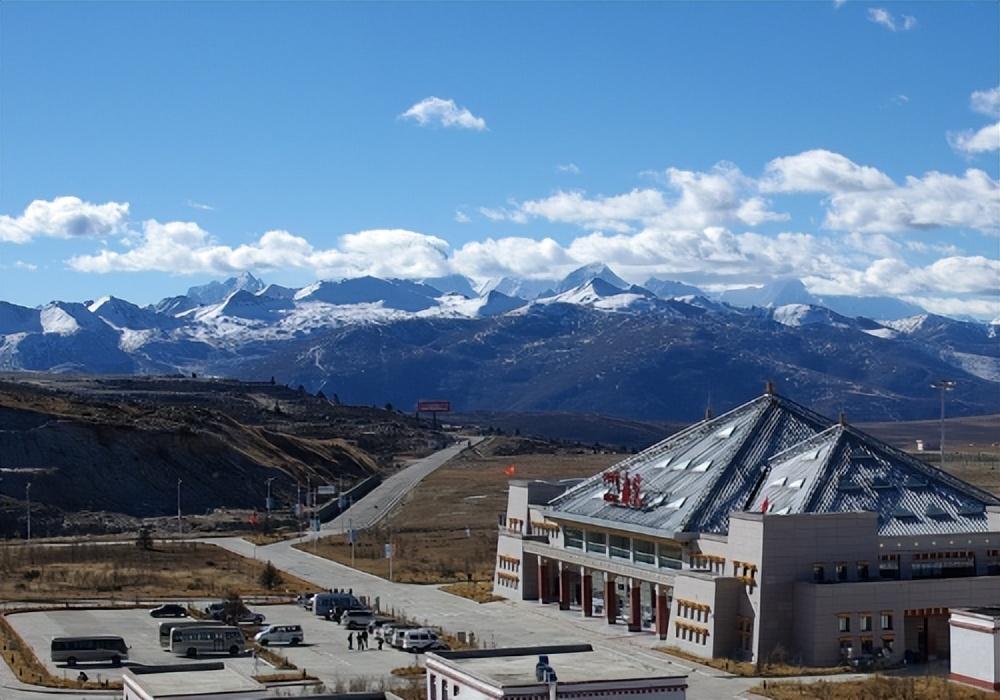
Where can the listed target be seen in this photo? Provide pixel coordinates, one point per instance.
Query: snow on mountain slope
(402, 295)
(671, 289)
(214, 292)
(594, 271)
(908, 325)
(602, 295)
(451, 284)
(119, 313)
(276, 291)
(807, 315)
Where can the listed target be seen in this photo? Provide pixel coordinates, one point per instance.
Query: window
(866, 623)
(644, 551)
(888, 566)
(863, 571)
(846, 646)
(669, 556)
(867, 646)
(597, 542)
(841, 572)
(885, 620)
(573, 538)
(620, 547)
(433, 687)
(819, 573)
(843, 623)
(943, 564)
(888, 644)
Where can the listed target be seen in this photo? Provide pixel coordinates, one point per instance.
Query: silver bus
(72, 650)
(166, 627)
(207, 639)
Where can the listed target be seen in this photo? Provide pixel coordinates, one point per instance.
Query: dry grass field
(873, 688)
(445, 530)
(184, 569)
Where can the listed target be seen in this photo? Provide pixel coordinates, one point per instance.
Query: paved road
(374, 506)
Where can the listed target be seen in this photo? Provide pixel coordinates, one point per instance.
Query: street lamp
(27, 498)
(944, 386)
(267, 503)
(180, 529)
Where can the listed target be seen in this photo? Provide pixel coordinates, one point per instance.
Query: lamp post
(27, 498)
(267, 503)
(180, 529)
(944, 386)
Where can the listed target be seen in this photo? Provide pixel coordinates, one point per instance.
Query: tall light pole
(27, 498)
(180, 529)
(944, 386)
(267, 503)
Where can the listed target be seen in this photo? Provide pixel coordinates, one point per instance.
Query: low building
(975, 646)
(546, 672)
(769, 531)
(207, 681)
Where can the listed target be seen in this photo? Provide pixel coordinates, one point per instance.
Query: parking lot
(324, 653)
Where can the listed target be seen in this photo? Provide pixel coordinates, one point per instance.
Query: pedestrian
(380, 642)
(350, 641)
(364, 639)
(83, 678)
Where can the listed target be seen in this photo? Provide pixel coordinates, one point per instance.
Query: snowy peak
(119, 313)
(215, 292)
(496, 303)
(778, 293)
(808, 315)
(593, 271)
(66, 318)
(523, 288)
(276, 291)
(243, 304)
(670, 289)
(451, 284)
(391, 294)
(602, 295)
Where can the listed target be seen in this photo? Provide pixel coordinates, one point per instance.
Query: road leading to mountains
(374, 506)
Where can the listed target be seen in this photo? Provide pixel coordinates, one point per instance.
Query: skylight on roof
(779, 482)
(882, 483)
(600, 494)
(725, 432)
(815, 454)
(936, 511)
(797, 484)
(658, 501)
(677, 503)
(848, 484)
(703, 467)
(663, 463)
(681, 466)
(901, 512)
(915, 482)
(972, 509)
(784, 511)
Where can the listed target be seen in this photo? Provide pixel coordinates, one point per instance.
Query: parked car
(357, 619)
(420, 640)
(169, 610)
(215, 610)
(379, 622)
(280, 634)
(305, 600)
(396, 638)
(249, 617)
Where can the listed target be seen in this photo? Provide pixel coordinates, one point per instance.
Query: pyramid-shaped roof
(844, 469)
(691, 481)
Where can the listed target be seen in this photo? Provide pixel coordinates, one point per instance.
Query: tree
(144, 540)
(270, 576)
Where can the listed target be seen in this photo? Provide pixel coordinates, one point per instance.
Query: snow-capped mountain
(599, 345)
(669, 289)
(214, 292)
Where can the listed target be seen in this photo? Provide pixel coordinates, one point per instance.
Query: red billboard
(433, 406)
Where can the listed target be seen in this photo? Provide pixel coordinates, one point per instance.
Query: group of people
(362, 641)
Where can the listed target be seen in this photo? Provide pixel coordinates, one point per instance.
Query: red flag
(509, 470)
(764, 505)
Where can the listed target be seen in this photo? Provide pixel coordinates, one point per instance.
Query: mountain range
(590, 342)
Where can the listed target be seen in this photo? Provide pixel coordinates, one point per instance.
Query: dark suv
(169, 610)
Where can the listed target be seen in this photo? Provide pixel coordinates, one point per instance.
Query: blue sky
(718, 143)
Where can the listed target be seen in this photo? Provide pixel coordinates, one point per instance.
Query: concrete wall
(975, 646)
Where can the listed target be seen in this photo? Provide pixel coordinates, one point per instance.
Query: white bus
(71, 650)
(207, 639)
(167, 627)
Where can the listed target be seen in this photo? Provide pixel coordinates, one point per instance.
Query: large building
(767, 532)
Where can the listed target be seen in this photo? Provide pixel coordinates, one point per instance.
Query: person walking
(364, 640)
(350, 641)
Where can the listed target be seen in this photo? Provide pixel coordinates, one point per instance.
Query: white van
(357, 619)
(421, 639)
(280, 634)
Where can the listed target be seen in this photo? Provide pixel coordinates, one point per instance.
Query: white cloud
(64, 217)
(21, 265)
(880, 15)
(936, 200)
(504, 214)
(200, 206)
(954, 306)
(953, 275)
(434, 110)
(820, 170)
(900, 99)
(837, 4)
(984, 140)
(986, 102)
(461, 217)
(613, 213)
(571, 168)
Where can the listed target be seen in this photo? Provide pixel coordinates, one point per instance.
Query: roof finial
(709, 415)
(842, 419)
(769, 388)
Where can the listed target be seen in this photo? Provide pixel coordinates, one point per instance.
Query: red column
(543, 584)
(610, 599)
(564, 590)
(662, 612)
(635, 609)
(588, 592)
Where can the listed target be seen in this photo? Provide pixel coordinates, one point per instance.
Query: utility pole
(944, 386)
(27, 498)
(180, 528)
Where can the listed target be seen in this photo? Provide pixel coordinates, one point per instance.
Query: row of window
(847, 645)
(693, 610)
(842, 571)
(507, 580)
(864, 621)
(641, 551)
(709, 562)
(508, 563)
(690, 633)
